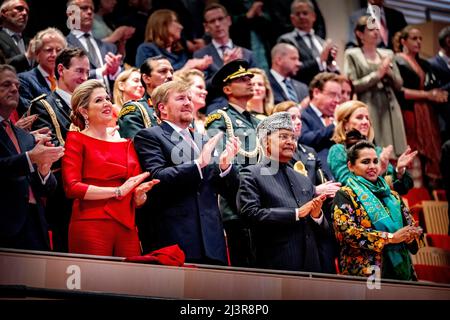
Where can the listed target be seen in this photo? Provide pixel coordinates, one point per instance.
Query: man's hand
(112, 64)
(42, 133)
(44, 154)
(227, 155)
(205, 156)
(312, 207)
(233, 54)
(26, 122)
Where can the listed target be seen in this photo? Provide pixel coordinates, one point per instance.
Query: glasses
(332, 95)
(218, 19)
(283, 137)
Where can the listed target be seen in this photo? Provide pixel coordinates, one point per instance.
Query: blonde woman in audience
(262, 103)
(196, 79)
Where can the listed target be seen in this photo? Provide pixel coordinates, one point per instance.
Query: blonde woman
(261, 104)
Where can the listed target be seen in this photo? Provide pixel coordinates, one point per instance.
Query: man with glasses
(287, 223)
(217, 23)
(317, 118)
(53, 111)
(14, 18)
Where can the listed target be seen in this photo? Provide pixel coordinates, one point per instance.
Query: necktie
(327, 120)
(52, 81)
(312, 46)
(12, 136)
(19, 42)
(188, 138)
(292, 95)
(93, 58)
(383, 31)
(223, 48)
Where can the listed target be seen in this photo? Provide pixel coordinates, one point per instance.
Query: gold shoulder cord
(55, 122)
(145, 116)
(230, 133)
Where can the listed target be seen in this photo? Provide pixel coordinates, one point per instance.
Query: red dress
(102, 227)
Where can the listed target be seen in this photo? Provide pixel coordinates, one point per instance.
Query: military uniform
(306, 162)
(53, 112)
(136, 115)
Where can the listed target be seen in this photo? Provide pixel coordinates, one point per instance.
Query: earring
(86, 123)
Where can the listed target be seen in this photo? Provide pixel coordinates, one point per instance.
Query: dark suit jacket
(182, 209)
(279, 95)
(317, 136)
(12, 53)
(309, 66)
(104, 47)
(441, 71)
(16, 178)
(32, 85)
(395, 21)
(281, 242)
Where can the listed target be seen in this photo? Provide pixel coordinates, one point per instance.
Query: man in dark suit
(287, 230)
(25, 175)
(317, 118)
(105, 63)
(440, 65)
(390, 20)
(14, 18)
(285, 64)
(316, 54)
(41, 79)
(53, 111)
(217, 23)
(182, 209)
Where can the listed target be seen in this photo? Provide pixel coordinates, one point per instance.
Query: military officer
(234, 120)
(140, 114)
(53, 111)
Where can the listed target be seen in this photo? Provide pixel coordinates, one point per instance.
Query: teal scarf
(384, 211)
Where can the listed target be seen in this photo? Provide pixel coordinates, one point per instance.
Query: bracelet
(401, 171)
(118, 193)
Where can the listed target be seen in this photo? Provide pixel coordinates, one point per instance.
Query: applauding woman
(372, 224)
(101, 172)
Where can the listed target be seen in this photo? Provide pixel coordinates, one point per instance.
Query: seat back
(439, 195)
(436, 216)
(416, 195)
(431, 256)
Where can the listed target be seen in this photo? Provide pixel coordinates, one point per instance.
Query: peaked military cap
(232, 70)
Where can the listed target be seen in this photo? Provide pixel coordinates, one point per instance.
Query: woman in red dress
(101, 172)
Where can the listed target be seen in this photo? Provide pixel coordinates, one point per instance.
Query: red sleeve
(72, 164)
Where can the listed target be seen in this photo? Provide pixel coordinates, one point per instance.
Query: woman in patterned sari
(372, 224)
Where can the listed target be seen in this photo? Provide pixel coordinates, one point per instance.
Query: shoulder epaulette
(212, 117)
(127, 109)
(42, 96)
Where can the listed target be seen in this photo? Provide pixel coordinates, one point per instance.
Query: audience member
(53, 111)
(354, 116)
(348, 90)
(101, 172)
(25, 173)
(375, 78)
(127, 87)
(163, 37)
(235, 121)
(417, 98)
(183, 208)
(440, 65)
(388, 21)
(285, 65)
(261, 104)
(316, 54)
(372, 224)
(47, 44)
(317, 118)
(140, 114)
(286, 230)
(14, 18)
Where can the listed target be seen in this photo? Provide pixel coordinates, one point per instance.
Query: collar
(1, 119)
(65, 96)
(43, 72)
(277, 76)
(10, 32)
(80, 34)
(238, 108)
(175, 127)
(316, 110)
(217, 45)
(302, 33)
(444, 56)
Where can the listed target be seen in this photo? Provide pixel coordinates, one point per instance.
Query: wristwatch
(388, 236)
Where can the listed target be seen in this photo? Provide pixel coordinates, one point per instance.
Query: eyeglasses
(218, 19)
(283, 137)
(332, 95)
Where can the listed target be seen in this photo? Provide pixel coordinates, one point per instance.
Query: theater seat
(439, 241)
(416, 195)
(439, 195)
(440, 274)
(435, 214)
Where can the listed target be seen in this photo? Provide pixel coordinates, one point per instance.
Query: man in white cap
(287, 223)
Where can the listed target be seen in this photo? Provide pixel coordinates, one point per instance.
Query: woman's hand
(132, 183)
(328, 188)
(384, 158)
(140, 193)
(406, 234)
(437, 95)
(404, 160)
